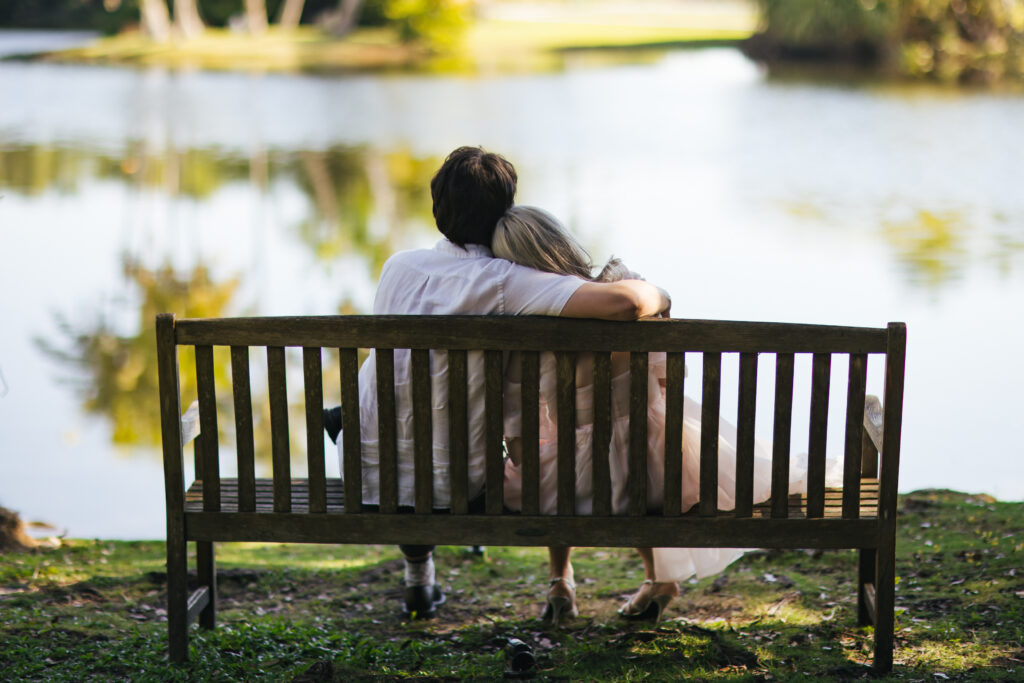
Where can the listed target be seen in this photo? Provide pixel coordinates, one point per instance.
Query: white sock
(419, 573)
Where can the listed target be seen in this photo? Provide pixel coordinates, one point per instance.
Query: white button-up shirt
(445, 280)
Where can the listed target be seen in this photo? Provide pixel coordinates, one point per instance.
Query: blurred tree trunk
(186, 18)
(342, 19)
(156, 21)
(12, 532)
(256, 16)
(291, 13)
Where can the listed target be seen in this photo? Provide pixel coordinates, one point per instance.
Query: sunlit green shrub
(949, 40)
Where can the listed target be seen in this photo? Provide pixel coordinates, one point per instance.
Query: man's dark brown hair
(471, 191)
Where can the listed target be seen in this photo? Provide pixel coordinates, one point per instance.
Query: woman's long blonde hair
(533, 237)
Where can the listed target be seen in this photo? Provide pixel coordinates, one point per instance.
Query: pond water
(126, 192)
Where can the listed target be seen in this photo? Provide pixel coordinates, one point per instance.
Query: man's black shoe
(421, 602)
(332, 422)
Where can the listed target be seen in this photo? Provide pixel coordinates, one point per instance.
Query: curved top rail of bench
(529, 333)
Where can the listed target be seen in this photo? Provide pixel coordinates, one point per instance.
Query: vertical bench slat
(821, 373)
(781, 434)
(855, 394)
(242, 393)
(493, 433)
(458, 432)
(423, 438)
(313, 382)
(746, 413)
(279, 439)
(709, 418)
(675, 372)
(565, 381)
(351, 444)
(207, 443)
(600, 466)
(386, 440)
(530, 433)
(637, 479)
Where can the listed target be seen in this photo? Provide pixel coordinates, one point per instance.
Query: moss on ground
(95, 610)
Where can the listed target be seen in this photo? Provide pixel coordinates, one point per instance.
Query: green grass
(94, 610)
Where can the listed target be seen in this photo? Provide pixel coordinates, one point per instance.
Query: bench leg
(865, 577)
(885, 599)
(177, 598)
(207, 574)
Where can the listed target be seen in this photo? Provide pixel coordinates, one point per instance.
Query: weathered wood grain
(458, 431)
(782, 428)
(242, 394)
(746, 413)
(352, 469)
(207, 443)
(313, 381)
(601, 469)
(423, 436)
(637, 481)
(279, 439)
(675, 371)
(710, 405)
(821, 374)
(855, 392)
(529, 333)
(530, 437)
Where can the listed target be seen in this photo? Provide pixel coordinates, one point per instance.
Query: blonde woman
(532, 237)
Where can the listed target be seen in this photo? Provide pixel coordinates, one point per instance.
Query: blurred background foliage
(438, 23)
(967, 41)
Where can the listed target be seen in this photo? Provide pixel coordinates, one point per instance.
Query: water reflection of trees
(116, 375)
(362, 200)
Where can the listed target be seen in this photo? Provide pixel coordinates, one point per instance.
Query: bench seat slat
(335, 496)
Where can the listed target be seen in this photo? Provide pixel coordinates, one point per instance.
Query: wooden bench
(859, 515)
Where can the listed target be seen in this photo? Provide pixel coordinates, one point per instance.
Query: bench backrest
(566, 338)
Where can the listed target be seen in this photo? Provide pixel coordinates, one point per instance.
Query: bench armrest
(872, 420)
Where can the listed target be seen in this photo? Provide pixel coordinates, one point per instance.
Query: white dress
(671, 564)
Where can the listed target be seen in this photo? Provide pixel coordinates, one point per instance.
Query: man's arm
(622, 300)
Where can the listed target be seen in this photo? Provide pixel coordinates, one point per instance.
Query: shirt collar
(446, 246)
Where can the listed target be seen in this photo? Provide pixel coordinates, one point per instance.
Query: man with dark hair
(470, 192)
